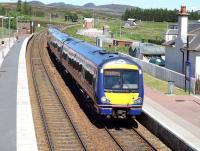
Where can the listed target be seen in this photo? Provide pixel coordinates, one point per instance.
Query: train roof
(93, 53)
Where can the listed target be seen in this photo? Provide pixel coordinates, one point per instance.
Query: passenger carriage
(114, 83)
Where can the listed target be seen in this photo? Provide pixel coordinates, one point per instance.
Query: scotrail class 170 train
(113, 82)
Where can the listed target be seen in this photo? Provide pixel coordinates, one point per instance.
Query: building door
(197, 75)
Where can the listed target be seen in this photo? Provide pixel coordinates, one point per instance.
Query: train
(113, 82)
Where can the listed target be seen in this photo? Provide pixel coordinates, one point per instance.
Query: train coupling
(119, 113)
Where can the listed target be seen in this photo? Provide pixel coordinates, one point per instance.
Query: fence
(163, 73)
(5, 33)
(198, 85)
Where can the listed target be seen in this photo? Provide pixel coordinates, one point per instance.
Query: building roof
(130, 23)
(172, 32)
(148, 48)
(194, 37)
(89, 19)
(194, 43)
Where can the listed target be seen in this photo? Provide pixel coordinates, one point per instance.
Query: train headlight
(105, 100)
(138, 101)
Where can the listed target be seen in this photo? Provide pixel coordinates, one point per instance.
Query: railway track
(127, 138)
(60, 131)
(61, 114)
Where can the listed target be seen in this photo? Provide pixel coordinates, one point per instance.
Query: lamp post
(2, 17)
(9, 30)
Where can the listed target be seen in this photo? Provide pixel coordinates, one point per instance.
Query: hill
(112, 9)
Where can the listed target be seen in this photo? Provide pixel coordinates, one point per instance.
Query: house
(171, 34)
(120, 42)
(130, 23)
(106, 30)
(88, 23)
(25, 27)
(185, 47)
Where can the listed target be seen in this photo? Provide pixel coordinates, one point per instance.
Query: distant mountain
(89, 5)
(36, 3)
(114, 9)
(60, 5)
(116, 6)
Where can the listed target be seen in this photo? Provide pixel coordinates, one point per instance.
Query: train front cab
(121, 90)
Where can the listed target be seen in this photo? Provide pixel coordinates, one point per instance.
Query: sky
(170, 4)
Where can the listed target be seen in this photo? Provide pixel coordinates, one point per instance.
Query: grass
(53, 20)
(160, 85)
(144, 30)
(72, 32)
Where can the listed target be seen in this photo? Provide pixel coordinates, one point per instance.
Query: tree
(87, 14)
(19, 6)
(25, 9)
(158, 15)
(72, 16)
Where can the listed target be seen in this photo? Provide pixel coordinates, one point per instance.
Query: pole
(50, 18)
(2, 28)
(9, 33)
(21, 29)
(17, 24)
(120, 29)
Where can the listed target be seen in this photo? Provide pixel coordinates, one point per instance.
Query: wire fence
(5, 33)
(198, 85)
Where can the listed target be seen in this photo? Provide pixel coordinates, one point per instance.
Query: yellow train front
(120, 93)
(113, 82)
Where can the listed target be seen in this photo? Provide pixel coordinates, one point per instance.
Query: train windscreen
(121, 80)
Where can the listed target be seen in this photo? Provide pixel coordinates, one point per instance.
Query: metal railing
(5, 33)
(198, 85)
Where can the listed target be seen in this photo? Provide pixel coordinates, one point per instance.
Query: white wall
(183, 27)
(192, 59)
(198, 65)
(173, 58)
(170, 37)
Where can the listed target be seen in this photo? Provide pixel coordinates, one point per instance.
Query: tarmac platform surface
(16, 122)
(179, 114)
(8, 95)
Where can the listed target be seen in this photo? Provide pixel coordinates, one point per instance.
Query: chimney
(183, 23)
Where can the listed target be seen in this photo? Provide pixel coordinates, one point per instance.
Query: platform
(4, 48)
(12, 64)
(180, 115)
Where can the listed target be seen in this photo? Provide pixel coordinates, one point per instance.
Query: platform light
(138, 101)
(105, 100)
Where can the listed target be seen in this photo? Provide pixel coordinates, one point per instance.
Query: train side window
(65, 56)
(88, 77)
(79, 67)
(70, 61)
